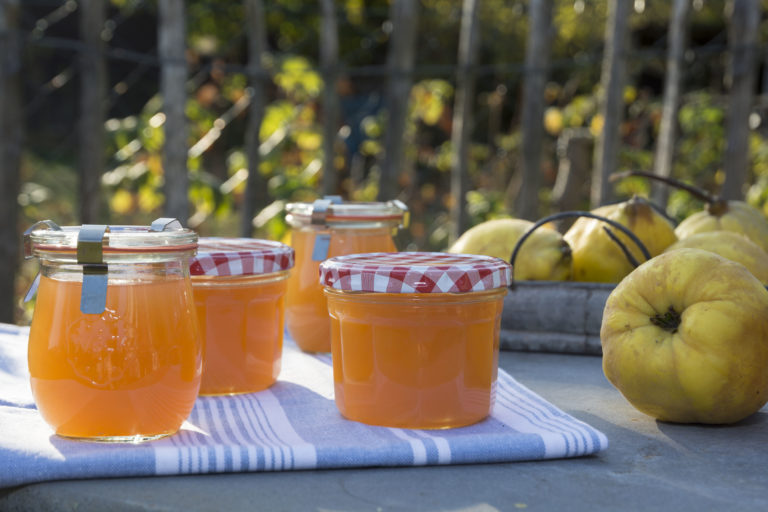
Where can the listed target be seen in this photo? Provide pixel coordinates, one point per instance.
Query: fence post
(173, 79)
(574, 151)
(329, 63)
(611, 101)
(11, 136)
(537, 53)
(400, 60)
(665, 144)
(256, 196)
(463, 119)
(743, 20)
(93, 87)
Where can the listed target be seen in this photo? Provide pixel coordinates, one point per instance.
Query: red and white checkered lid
(240, 257)
(415, 272)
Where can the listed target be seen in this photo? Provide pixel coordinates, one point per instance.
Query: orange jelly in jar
(415, 336)
(322, 230)
(114, 347)
(239, 286)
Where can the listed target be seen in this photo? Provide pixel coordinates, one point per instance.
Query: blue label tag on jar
(93, 297)
(320, 249)
(90, 254)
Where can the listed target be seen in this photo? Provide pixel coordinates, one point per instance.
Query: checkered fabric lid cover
(240, 257)
(415, 272)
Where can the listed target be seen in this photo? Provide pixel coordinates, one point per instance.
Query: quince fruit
(685, 338)
(723, 215)
(719, 214)
(543, 256)
(730, 245)
(598, 258)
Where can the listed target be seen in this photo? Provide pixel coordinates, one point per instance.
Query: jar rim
(415, 272)
(120, 239)
(347, 213)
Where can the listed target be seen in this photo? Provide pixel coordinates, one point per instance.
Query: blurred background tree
(291, 141)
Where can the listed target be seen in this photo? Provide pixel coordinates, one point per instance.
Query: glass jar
(321, 230)
(114, 347)
(415, 336)
(239, 287)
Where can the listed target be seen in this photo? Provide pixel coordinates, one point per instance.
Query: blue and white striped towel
(292, 425)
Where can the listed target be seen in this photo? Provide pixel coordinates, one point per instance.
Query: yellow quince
(685, 338)
(544, 255)
(722, 215)
(719, 214)
(730, 245)
(598, 258)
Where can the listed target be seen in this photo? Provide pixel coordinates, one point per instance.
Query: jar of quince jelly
(323, 229)
(415, 336)
(239, 287)
(114, 348)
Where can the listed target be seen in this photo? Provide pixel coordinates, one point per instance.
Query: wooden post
(463, 118)
(256, 196)
(400, 60)
(93, 89)
(11, 138)
(665, 144)
(611, 101)
(537, 56)
(743, 19)
(574, 151)
(173, 80)
(329, 62)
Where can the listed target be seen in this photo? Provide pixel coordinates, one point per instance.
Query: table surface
(648, 465)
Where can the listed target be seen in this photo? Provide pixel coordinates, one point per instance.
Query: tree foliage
(291, 131)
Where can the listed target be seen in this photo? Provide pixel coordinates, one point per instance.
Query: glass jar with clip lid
(323, 229)
(115, 353)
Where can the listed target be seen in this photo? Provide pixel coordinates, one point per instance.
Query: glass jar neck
(417, 298)
(302, 223)
(352, 230)
(241, 280)
(64, 257)
(139, 271)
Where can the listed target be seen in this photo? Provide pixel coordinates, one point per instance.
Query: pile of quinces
(685, 331)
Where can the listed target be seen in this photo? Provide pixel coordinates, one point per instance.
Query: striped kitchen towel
(292, 425)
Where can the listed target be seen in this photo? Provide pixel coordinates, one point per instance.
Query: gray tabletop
(648, 466)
